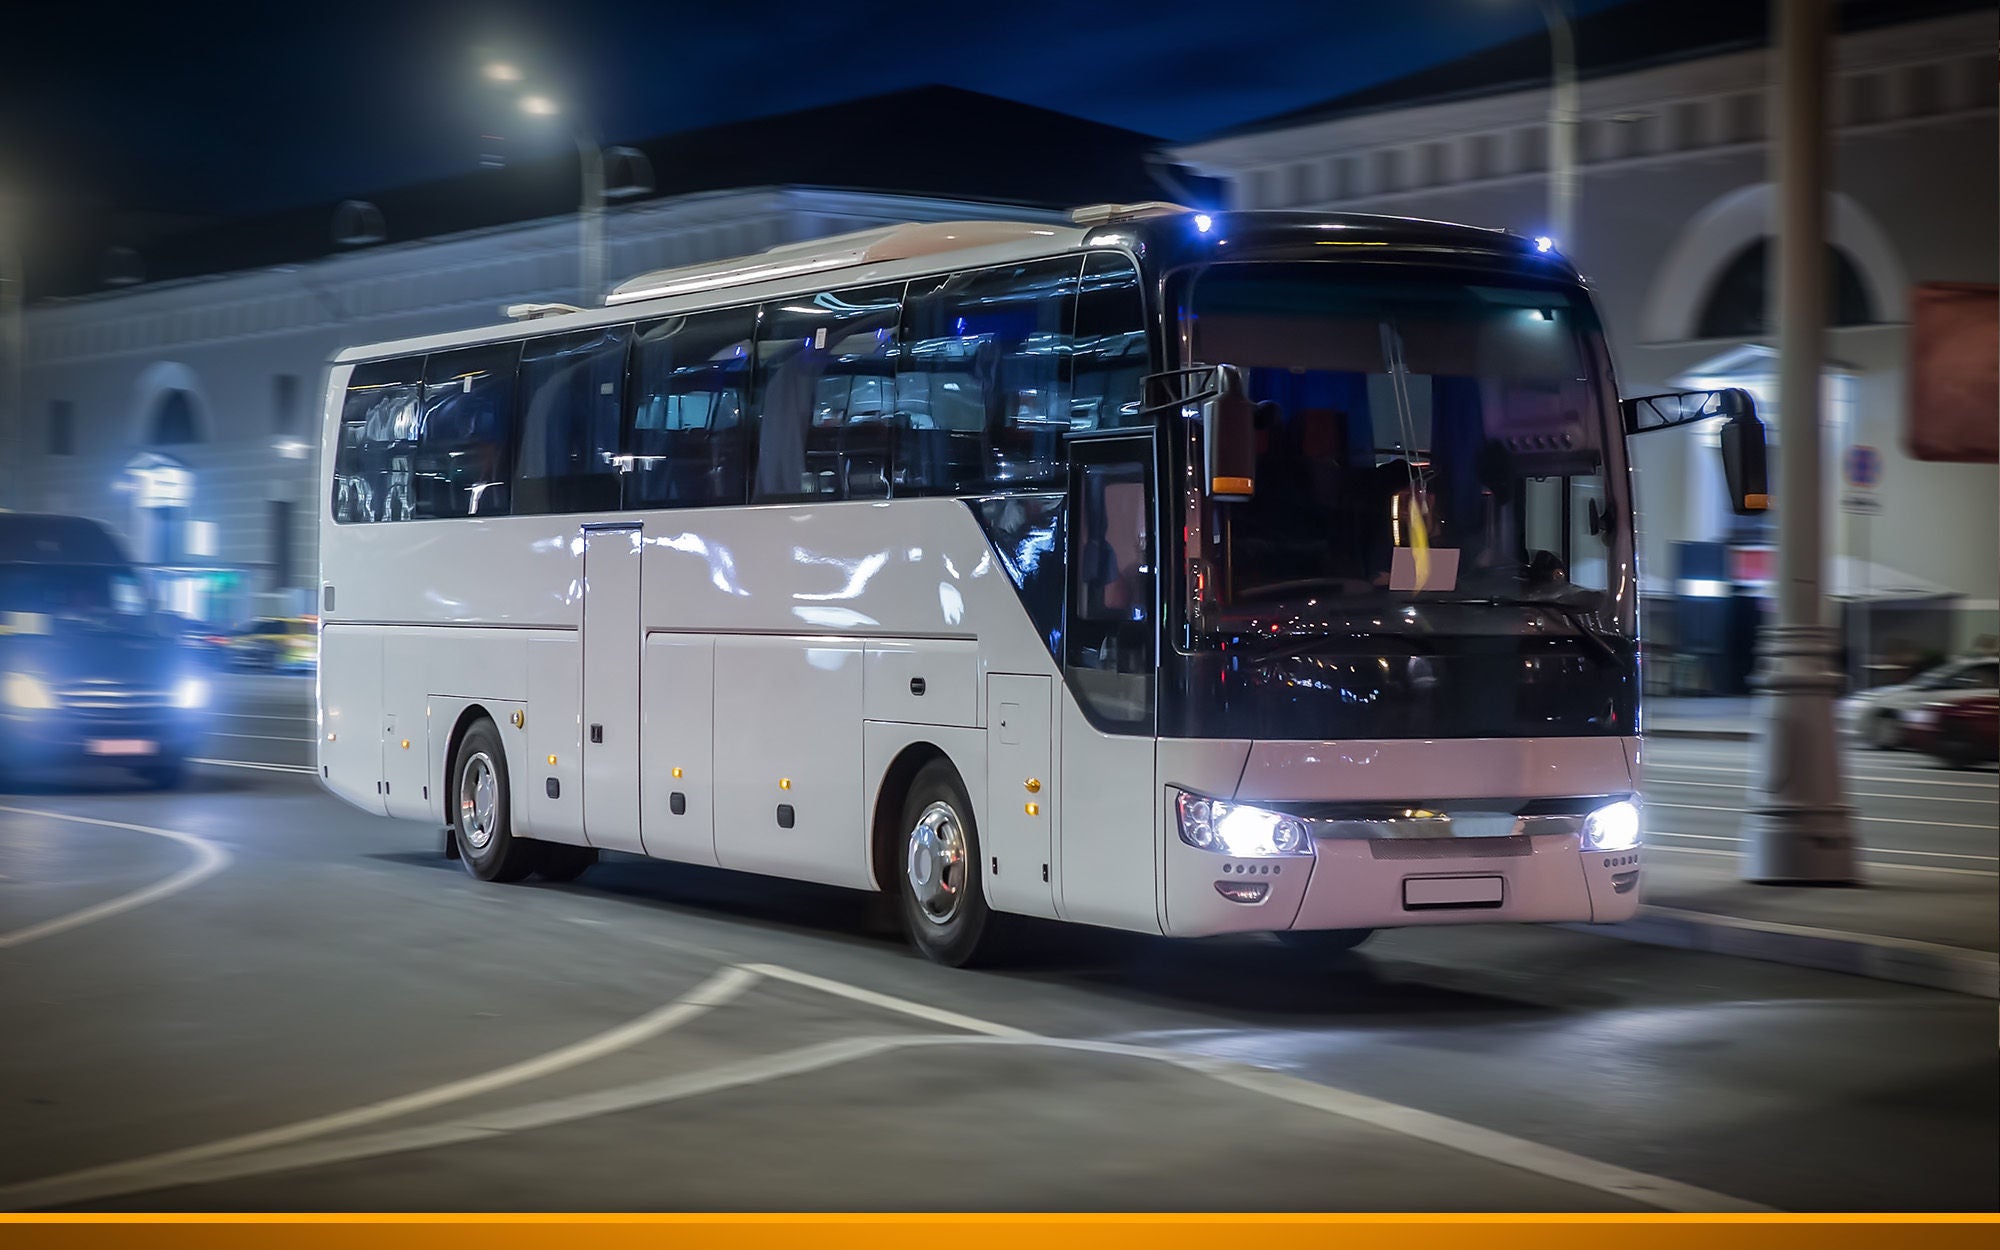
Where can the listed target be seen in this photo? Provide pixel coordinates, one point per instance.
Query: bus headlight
(191, 693)
(1613, 827)
(25, 690)
(1239, 829)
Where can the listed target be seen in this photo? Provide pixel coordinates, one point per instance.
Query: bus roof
(893, 253)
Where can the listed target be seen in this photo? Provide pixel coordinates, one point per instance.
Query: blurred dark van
(89, 671)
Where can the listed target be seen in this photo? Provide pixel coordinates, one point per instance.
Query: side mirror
(1743, 463)
(1229, 435)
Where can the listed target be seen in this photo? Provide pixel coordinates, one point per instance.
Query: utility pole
(1799, 826)
(13, 319)
(1562, 123)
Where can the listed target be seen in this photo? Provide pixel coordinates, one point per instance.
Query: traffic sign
(1862, 467)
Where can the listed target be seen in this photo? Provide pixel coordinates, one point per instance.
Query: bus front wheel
(480, 820)
(937, 872)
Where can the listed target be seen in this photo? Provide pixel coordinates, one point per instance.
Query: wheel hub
(478, 801)
(936, 864)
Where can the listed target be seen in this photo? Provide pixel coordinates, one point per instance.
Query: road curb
(1713, 735)
(1958, 970)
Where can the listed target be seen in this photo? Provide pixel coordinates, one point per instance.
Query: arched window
(174, 421)
(1738, 304)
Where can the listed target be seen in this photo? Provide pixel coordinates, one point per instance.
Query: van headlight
(1613, 827)
(1238, 828)
(191, 693)
(25, 690)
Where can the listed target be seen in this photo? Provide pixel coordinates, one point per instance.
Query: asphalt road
(249, 996)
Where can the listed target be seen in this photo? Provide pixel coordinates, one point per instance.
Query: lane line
(109, 1178)
(1648, 765)
(1873, 863)
(209, 859)
(888, 1002)
(272, 768)
(1880, 820)
(1859, 794)
(1872, 850)
(1912, 945)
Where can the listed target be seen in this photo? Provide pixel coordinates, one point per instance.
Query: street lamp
(591, 158)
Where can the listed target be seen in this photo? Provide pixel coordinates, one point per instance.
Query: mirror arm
(1646, 413)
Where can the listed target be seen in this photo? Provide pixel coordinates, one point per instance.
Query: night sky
(226, 109)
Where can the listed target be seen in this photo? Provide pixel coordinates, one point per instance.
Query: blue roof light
(1202, 222)
(1543, 243)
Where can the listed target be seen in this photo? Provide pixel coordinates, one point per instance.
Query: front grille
(1451, 848)
(111, 697)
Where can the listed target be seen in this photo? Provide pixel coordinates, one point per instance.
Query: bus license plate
(1423, 893)
(121, 746)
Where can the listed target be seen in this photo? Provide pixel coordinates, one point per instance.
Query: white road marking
(120, 1177)
(269, 768)
(1648, 765)
(1858, 794)
(209, 860)
(904, 1006)
(1874, 863)
(1880, 820)
(1961, 953)
(1872, 850)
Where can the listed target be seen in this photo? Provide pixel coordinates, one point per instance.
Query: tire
(937, 879)
(1324, 941)
(481, 823)
(1884, 732)
(1955, 748)
(565, 863)
(169, 773)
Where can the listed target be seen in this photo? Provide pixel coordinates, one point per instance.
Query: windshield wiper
(1575, 615)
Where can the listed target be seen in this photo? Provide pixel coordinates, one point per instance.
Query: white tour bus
(1176, 572)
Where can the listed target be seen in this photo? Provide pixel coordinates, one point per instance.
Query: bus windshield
(1420, 440)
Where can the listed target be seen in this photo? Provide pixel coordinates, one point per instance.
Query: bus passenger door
(1021, 796)
(611, 564)
(1108, 854)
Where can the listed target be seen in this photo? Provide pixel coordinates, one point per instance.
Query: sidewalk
(1935, 929)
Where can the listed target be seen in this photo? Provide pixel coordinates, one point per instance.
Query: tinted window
(571, 389)
(1111, 352)
(684, 434)
(823, 367)
(464, 440)
(379, 420)
(983, 383)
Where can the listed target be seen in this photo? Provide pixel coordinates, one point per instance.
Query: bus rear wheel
(480, 820)
(937, 871)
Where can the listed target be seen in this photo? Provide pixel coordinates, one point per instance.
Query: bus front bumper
(1372, 884)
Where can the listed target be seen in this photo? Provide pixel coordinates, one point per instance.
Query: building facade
(188, 413)
(1674, 205)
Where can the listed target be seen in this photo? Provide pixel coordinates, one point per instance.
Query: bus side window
(377, 418)
(682, 445)
(1111, 351)
(983, 385)
(571, 393)
(465, 445)
(813, 438)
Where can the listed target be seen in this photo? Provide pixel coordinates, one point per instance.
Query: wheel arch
(470, 715)
(885, 833)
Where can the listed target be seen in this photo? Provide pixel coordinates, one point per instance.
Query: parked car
(89, 673)
(282, 644)
(1960, 729)
(1875, 715)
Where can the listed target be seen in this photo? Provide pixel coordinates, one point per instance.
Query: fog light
(1613, 827)
(1239, 829)
(1242, 891)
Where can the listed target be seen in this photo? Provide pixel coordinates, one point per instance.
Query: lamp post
(13, 302)
(1799, 825)
(1562, 121)
(590, 208)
